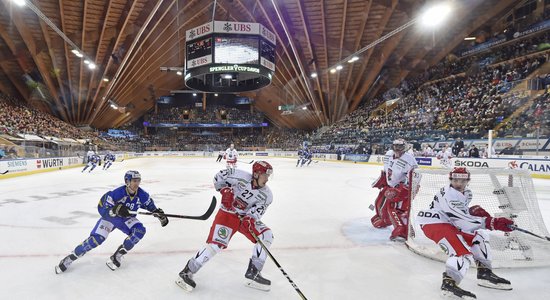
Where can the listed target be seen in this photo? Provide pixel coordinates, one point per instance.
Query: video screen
(199, 48)
(236, 50)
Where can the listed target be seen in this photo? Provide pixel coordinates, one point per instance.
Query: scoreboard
(223, 56)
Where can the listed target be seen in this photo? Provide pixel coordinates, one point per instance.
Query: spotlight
(179, 73)
(106, 79)
(194, 94)
(91, 66)
(77, 53)
(313, 75)
(19, 2)
(435, 15)
(353, 59)
(332, 71)
(339, 67)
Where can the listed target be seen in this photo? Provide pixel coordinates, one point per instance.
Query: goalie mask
(399, 145)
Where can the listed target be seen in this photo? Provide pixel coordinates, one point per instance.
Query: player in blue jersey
(92, 162)
(115, 207)
(300, 157)
(108, 160)
(308, 157)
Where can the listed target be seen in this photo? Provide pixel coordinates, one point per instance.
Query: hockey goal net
(503, 193)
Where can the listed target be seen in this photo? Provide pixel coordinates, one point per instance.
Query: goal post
(506, 193)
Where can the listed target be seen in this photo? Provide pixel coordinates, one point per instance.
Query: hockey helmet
(262, 167)
(131, 175)
(459, 173)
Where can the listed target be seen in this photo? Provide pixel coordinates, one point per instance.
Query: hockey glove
(501, 224)
(120, 210)
(159, 214)
(248, 222)
(478, 211)
(227, 197)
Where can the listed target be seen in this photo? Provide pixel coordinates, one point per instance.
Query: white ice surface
(320, 219)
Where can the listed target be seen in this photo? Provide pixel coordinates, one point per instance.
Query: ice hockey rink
(320, 219)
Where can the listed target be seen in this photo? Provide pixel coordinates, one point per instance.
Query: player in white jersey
(231, 156)
(89, 155)
(458, 230)
(245, 198)
(393, 202)
(445, 156)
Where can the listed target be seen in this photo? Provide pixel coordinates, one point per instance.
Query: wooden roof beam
(357, 44)
(72, 91)
(305, 21)
(37, 57)
(47, 39)
(128, 9)
(334, 115)
(96, 59)
(359, 78)
(82, 46)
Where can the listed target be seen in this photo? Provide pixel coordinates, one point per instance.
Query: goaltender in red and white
(459, 230)
(245, 198)
(393, 202)
(231, 156)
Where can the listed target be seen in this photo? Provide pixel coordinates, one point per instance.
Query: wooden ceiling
(129, 40)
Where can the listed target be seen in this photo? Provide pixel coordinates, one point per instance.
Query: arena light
(470, 38)
(227, 76)
(86, 62)
(194, 94)
(435, 15)
(106, 79)
(215, 95)
(19, 2)
(353, 59)
(313, 75)
(339, 67)
(332, 71)
(77, 53)
(179, 73)
(91, 66)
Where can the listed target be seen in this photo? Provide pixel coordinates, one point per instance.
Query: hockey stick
(4, 172)
(276, 263)
(514, 227)
(205, 216)
(249, 162)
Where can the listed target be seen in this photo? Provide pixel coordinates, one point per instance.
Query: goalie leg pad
(381, 182)
(381, 219)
